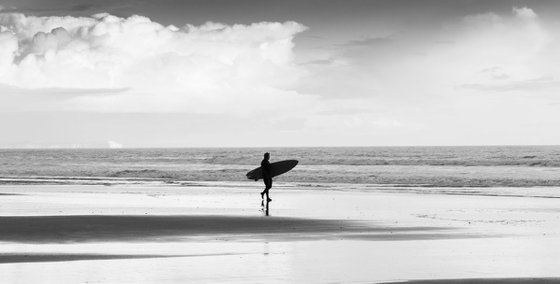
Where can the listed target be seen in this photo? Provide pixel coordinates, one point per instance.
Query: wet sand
(36, 257)
(90, 228)
(486, 281)
(220, 233)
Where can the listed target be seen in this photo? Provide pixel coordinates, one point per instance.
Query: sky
(247, 73)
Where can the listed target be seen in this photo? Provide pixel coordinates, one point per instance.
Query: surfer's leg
(268, 187)
(265, 180)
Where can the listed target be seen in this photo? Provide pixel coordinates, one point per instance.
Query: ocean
(481, 166)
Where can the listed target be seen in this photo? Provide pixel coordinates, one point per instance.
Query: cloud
(367, 42)
(524, 13)
(495, 72)
(114, 145)
(70, 92)
(522, 30)
(354, 121)
(76, 7)
(209, 68)
(327, 61)
(543, 83)
(502, 61)
(82, 7)
(510, 51)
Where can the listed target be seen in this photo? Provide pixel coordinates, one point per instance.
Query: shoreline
(106, 183)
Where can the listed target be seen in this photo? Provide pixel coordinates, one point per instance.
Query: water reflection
(265, 207)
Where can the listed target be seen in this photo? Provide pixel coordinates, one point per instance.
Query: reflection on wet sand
(43, 257)
(265, 206)
(87, 228)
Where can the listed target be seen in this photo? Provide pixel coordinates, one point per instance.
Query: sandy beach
(219, 232)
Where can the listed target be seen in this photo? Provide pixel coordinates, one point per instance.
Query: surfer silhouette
(267, 176)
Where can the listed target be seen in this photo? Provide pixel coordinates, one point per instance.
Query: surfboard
(276, 169)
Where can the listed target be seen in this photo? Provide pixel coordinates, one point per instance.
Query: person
(267, 176)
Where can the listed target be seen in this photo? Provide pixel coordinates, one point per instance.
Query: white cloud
(524, 12)
(488, 48)
(494, 73)
(208, 68)
(114, 145)
(511, 44)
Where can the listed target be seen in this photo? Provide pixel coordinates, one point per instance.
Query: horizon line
(261, 147)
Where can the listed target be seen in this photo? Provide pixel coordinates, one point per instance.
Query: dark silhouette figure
(267, 176)
(264, 207)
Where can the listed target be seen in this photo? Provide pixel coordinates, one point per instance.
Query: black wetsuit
(265, 165)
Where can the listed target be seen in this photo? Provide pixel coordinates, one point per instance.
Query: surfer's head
(266, 156)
